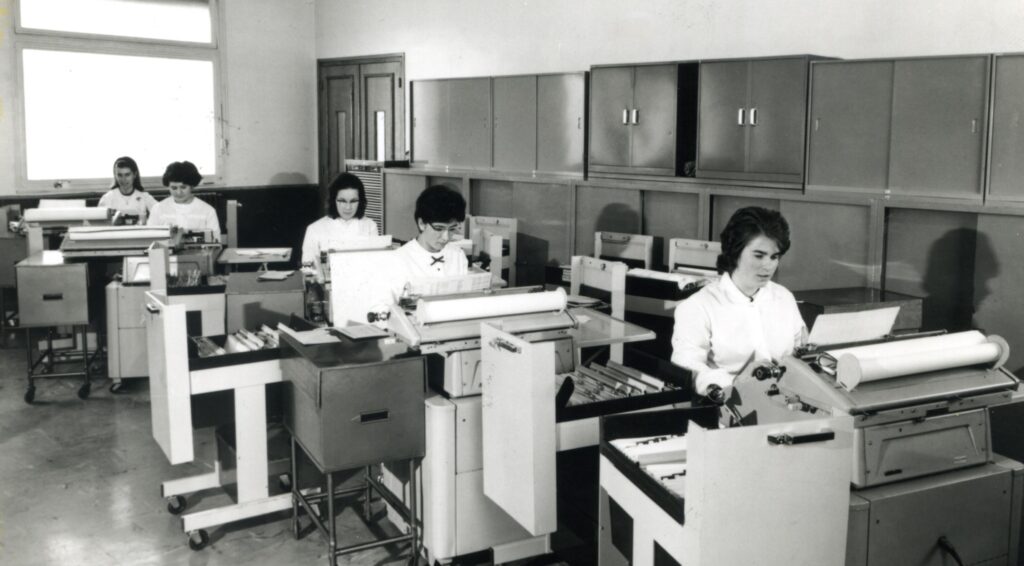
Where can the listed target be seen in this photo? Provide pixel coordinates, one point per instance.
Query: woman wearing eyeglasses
(440, 212)
(346, 207)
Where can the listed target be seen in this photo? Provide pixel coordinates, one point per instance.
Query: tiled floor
(80, 484)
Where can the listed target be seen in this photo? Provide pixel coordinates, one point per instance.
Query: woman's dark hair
(745, 225)
(345, 181)
(182, 172)
(129, 163)
(440, 204)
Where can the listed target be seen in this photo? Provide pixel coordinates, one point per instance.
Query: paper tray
(226, 360)
(656, 288)
(623, 405)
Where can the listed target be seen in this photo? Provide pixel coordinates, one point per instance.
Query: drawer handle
(152, 308)
(374, 416)
(789, 440)
(53, 296)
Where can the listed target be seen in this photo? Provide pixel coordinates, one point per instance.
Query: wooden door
(339, 118)
(723, 119)
(561, 108)
(383, 96)
(611, 98)
(938, 126)
(778, 106)
(515, 123)
(851, 109)
(653, 118)
(1006, 170)
(430, 122)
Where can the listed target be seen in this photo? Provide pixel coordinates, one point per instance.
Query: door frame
(322, 65)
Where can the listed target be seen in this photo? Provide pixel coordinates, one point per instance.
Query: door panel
(339, 118)
(778, 104)
(560, 114)
(604, 210)
(721, 136)
(543, 213)
(611, 94)
(400, 204)
(515, 123)
(654, 133)
(469, 122)
(380, 83)
(938, 126)
(670, 215)
(430, 122)
(851, 109)
(831, 237)
(1007, 166)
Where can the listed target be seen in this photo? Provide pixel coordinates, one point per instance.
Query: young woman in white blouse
(744, 317)
(127, 194)
(346, 207)
(182, 208)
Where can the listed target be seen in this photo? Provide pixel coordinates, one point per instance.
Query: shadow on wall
(617, 217)
(958, 269)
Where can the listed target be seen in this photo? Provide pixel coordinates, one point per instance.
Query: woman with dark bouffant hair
(346, 207)
(127, 194)
(182, 208)
(744, 316)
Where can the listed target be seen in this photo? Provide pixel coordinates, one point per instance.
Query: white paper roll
(70, 213)
(82, 233)
(884, 361)
(483, 307)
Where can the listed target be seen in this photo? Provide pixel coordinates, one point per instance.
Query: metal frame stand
(48, 359)
(370, 484)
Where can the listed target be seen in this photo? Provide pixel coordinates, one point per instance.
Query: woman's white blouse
(138, 202)
(718, 330)
(196, 215)
(320, 233)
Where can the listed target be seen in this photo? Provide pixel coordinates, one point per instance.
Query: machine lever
(789, 439)
(152, 308)
(505, 345)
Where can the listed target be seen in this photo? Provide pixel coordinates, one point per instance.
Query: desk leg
(251, 442)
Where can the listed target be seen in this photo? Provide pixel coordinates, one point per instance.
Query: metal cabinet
(430, 122)
(634, 119)
(515, 123)
(1006, 165)
(906, 126)
(451, 123)
(752, 119)
(561, 113)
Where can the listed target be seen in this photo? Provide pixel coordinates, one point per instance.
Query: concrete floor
(80, 484)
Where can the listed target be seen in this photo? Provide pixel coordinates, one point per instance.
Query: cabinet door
(561, 102)
(515, 123)
(430, 122)
(1006, 171)
(851, 109)
(722, 129)
(653, 118)
(938, 126)
(543, 212)
(469, 122)
(778, 106)
(611, 95)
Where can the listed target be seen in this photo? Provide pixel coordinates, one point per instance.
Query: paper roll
(99, 233)
(70, 213)
(884, 361)
(489, 306)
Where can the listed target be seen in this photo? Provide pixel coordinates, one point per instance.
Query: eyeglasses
(453, 230)
(347, 202)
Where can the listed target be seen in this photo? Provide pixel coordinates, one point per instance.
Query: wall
(269, 89)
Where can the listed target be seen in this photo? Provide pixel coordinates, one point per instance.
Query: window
(90, 92)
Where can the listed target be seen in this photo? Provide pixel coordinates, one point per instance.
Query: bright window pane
(83, 110)
(178, 20)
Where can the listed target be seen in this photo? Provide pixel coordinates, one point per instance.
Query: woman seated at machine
(744, 317)
(127, 195)
(182, 209)
(440, 212)
(345, 220)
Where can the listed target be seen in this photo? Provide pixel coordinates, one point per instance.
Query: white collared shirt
(418, 263)
(196, 215)
(320, 233)
(719, 329)
(138, 202)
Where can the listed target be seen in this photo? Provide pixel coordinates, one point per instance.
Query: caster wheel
(118, 387)
(176, 504)
(83, 391)
(197, 540)
(284, 481)
(30, 395)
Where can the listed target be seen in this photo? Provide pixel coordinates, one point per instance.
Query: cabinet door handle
(579, 122)
(625, 117)
(739, 117)
(816, 121)
(636, 116)
(974, 126)
(753, 116)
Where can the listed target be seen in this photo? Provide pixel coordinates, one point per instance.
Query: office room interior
(897, 165)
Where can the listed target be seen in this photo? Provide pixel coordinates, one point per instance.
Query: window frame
(49, 40)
